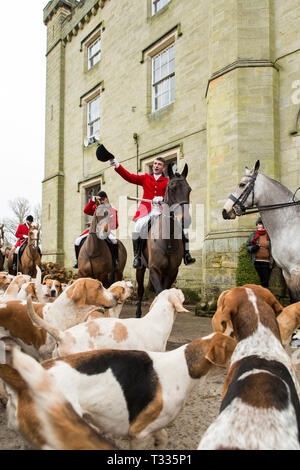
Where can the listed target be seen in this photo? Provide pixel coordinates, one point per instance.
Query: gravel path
(200, 409)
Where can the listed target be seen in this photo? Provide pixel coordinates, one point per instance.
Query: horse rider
(89, 209)
(154, 188)
(22, 235)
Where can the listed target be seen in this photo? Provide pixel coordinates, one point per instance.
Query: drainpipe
(136, 140)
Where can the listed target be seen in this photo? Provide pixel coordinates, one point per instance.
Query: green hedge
(246, 272)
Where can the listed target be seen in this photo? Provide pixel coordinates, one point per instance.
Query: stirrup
(137, 263)
(187, 259)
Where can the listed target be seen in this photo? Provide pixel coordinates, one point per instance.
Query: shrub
(246, 272)
(55, 271)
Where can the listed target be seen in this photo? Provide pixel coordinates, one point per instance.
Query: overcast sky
(22, 98)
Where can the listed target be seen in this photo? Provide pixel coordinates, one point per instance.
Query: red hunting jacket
(22, 230)
(90, 209)
(151, 187)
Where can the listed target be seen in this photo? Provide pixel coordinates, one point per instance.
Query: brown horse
(95, 259)
(31, 255)
(2, 258)
(163, 250)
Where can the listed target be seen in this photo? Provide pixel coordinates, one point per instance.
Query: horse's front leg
(156, 281)
(140, 274)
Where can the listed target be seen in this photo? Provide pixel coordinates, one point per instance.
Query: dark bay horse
(280, 213)
(163, 250)
(31, 255)
(95, 259)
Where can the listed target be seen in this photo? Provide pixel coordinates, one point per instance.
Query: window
(89, 193)
(171, 156)
(94, 53)
(93, 118)
(158, 5)
(163, 78)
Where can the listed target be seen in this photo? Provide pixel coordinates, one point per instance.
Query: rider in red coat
(154, 188)
(112, 241)
(22, 235)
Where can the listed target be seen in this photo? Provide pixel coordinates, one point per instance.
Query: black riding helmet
(29, 218)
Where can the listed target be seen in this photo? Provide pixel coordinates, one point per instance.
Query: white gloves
(114, 163)
(157, 200)
(25, 236)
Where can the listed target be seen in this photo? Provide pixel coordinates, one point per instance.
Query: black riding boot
(77, 249)
(137, 245)
(114, 250)
(187, 259)
(15, 261)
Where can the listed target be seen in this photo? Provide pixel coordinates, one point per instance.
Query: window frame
(88, 42)
(148, 53)
(98, 53)
(173, 154)
(154, 4)
(91, 122)
(84, 188)
(165, 79)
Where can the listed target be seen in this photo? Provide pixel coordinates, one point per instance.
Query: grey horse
(282, 224)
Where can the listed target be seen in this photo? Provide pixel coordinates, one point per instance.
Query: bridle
(239, 201)
(176, 204)
(242, 210)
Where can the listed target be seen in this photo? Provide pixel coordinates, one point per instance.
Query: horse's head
(243, 195)
(34, 236)
(102, 221)
(178, 194)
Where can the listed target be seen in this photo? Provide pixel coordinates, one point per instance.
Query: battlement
(52, 7)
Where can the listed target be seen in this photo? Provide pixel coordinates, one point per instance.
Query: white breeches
(139, 223)
(17, 249)
(110, 236)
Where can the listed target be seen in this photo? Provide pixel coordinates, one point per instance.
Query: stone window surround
(152, 50)
(152, 7)
(169, 154)
(87, 42)
(82, 186)
(84, 102)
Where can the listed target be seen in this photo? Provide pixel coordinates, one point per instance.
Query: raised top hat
(103, 154)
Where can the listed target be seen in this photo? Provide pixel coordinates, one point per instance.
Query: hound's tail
(62, 427)
(38, 284)
(41, 323)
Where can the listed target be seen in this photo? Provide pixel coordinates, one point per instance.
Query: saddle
(171, 248)
(21, 250)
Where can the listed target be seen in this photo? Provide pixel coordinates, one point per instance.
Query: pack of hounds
(73, 371)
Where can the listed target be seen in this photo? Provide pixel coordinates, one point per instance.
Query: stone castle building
(211, 83)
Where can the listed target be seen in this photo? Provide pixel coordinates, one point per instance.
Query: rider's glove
(114, 163)
(157, 200)
(25, 236)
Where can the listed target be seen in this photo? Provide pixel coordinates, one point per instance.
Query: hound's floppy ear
(220, 349)
(77, 292)
(256, 166)
(177, 303)
(170, 170)
(221, 321)
(272, 301)
(185, 171)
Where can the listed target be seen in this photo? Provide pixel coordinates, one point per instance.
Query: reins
(252, 210)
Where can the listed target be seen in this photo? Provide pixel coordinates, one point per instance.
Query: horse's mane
(286, 191)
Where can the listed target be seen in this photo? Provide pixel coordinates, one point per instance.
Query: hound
(69, 309)
(61, 427)
(260, 409)
(150, 332)
(126, 393)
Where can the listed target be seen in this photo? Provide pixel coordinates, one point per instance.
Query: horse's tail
(41, 323)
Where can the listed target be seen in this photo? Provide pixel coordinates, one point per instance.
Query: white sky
(22, 101)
